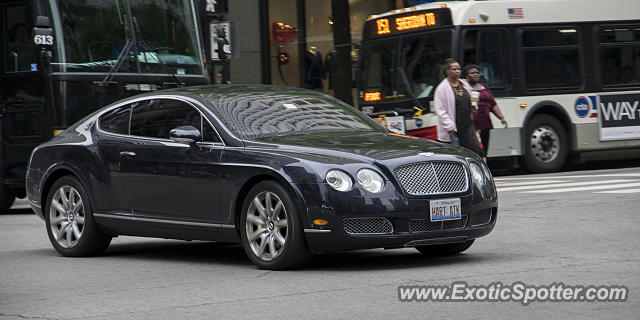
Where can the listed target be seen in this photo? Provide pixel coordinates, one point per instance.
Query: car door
(171, 182)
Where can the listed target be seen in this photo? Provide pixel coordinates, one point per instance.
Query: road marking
(570, 184)
(500, 184)
(611, 175)
(610, 186)
(621, 191)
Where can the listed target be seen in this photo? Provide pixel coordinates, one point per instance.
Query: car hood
(368, 146)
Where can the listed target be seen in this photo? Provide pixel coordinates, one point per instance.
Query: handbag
(455, 140)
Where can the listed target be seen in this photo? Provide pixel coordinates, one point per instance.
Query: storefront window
(314, 70)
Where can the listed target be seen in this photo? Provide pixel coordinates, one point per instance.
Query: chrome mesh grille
(365, 226)
(435, 177)
(480, 218)
(424, 225)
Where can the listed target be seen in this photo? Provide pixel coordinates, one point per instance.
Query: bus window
(551, 58)
(96, 33)
(620, 55)
(488, 50)
(20, 50)
(423, 57)
(377, 72)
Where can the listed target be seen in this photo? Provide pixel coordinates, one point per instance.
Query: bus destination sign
(406, 22)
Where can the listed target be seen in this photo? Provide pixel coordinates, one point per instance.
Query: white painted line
(526, 183)
(570, 184)
(609, 186)
(611, 175)
(621, 191)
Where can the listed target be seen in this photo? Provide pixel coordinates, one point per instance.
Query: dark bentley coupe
(287, 172)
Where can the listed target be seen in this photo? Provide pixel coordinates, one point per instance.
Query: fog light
(321, 222)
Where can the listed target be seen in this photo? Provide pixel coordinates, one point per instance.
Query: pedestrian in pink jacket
(452, 102)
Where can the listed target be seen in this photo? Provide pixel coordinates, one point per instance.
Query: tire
(271, 230)
(545, 144)
(7, 197)
(69, 219)
(440, 250)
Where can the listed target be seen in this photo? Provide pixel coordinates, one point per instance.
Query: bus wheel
(546, 145)
(7, 197)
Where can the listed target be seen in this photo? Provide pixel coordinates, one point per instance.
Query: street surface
(575, 227)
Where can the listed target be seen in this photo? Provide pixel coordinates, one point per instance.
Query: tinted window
(255, 115)
(116, 120)
(620, 55)
(552, 58)
(156, 118)
(488, 50)
(551, 37)
(20, 54)
(208, 133)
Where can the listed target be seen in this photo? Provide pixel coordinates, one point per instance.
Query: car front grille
(434, 177)
(368, 225)
(424, 225)
(481, 217)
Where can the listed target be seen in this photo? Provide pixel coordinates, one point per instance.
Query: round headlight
(339, 180)
(370, 180)
(487, 171)
(476, 173)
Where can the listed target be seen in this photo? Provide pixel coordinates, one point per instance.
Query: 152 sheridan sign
(619, 117)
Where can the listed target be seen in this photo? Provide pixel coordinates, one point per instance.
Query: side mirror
(43, 34)
(185, 134)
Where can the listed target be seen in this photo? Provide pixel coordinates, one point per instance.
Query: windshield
(423, 61)
(420, 57)
(91, 35)
(258, 115)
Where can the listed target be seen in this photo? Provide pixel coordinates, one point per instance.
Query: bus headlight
(370, 180)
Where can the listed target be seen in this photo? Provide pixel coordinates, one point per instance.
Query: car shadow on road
(233, 254)
(17, 211)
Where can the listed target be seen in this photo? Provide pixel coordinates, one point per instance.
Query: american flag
(515, 13)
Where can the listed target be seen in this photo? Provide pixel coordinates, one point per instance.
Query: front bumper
(406, 219)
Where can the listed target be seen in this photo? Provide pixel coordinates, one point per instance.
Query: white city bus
(566, 74)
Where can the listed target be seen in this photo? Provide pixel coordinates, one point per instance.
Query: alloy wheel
(67, 216)
(266, 226)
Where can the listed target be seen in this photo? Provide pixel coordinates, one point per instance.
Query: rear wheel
(69, 220)
(7, 197)
(271, 232)
(546, 144)
(445, 249)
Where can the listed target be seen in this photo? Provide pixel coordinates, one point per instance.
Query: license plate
(445, 209)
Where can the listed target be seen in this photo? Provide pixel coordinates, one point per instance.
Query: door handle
(128, 154)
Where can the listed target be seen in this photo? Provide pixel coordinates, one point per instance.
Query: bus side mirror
(43, 34)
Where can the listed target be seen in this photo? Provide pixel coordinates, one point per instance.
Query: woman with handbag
(452, 103)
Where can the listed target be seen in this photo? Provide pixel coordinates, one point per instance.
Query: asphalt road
(578, 228)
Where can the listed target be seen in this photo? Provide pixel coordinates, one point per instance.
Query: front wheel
(445, 249)
(546, 145)
(69, 220)
(271, 232)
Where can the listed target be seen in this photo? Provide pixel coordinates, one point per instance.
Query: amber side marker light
(472, 20)
(57, 132)
(523, 105)
(320, 222)
(443, 5)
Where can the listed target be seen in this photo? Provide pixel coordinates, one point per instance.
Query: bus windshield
(405, 68)
(92, 35)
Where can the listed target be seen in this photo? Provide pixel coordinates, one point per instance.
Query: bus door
(24, 119)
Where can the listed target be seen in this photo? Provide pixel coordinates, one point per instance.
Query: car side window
(155, 118)
(208, 133)
(116, 120)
